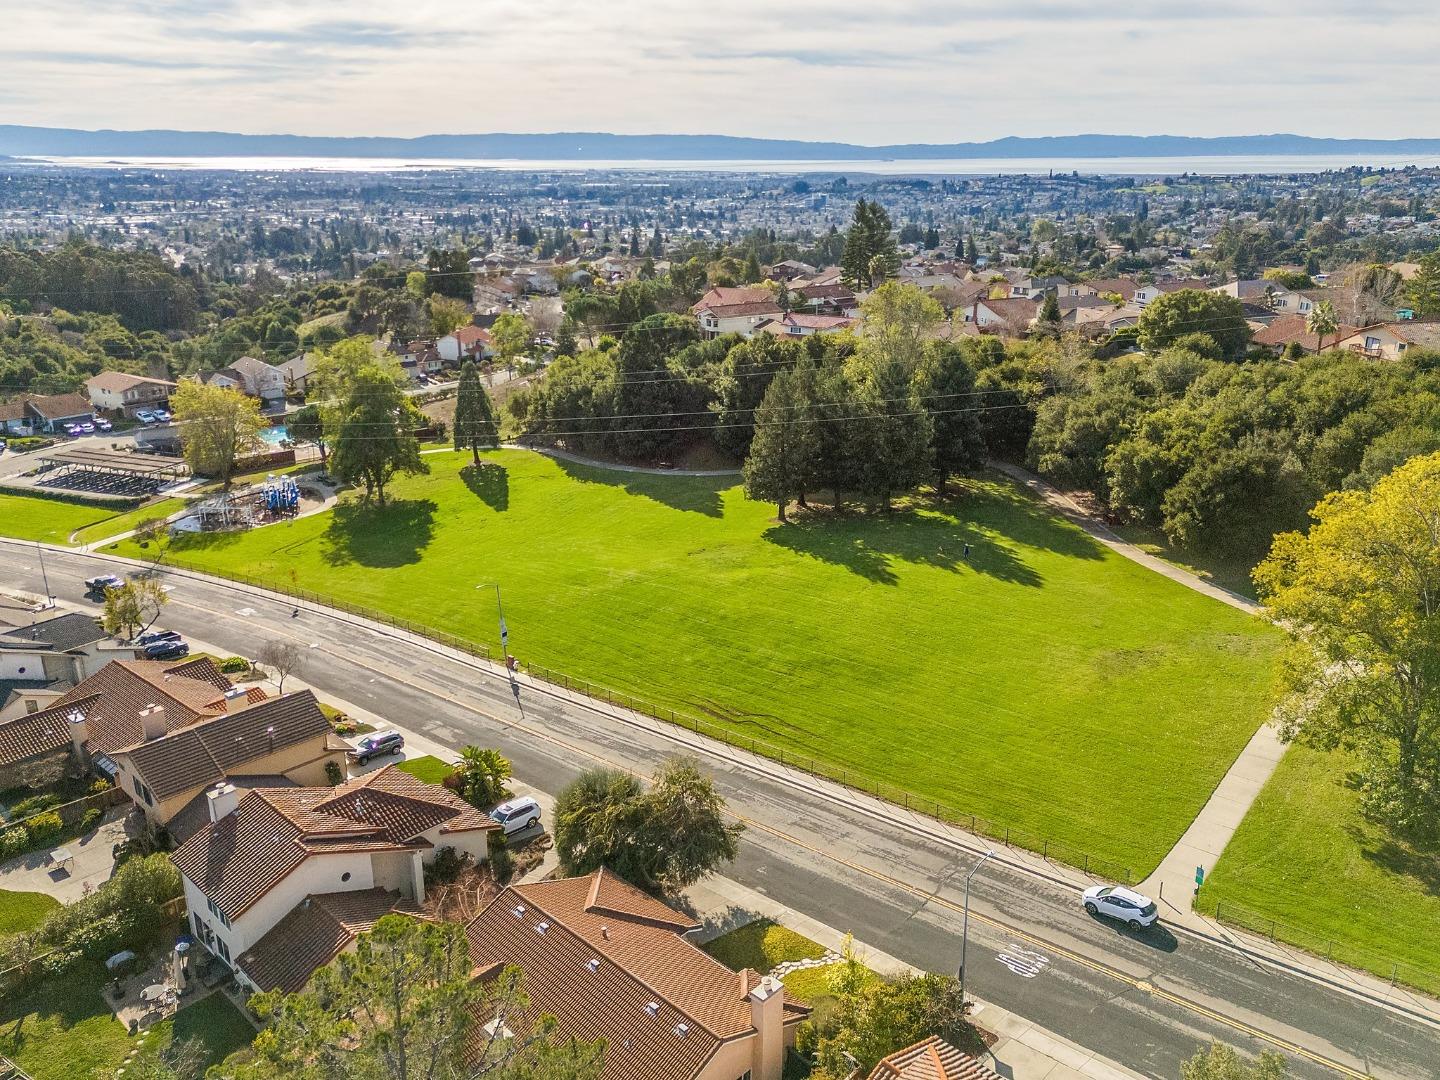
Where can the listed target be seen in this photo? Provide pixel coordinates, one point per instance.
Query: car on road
(516, 814)
(1135, 910)
(167, 650)
(150, 637)
(96, 586)
(378, 744)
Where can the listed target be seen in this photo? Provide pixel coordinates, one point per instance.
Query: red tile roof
(114, 696)
(238, 859)
(609, 962)
(313, 933)
(931, 1059)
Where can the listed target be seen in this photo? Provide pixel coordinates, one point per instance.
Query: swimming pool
(275, 435)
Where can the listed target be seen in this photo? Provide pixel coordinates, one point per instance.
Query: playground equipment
(281, 495)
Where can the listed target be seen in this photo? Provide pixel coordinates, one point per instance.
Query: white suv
(516, 814)
(1134, 909)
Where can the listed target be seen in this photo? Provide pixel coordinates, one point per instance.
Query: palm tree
(485, 772)
(1321, 321)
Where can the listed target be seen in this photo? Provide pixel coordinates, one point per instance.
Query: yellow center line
(828, 856)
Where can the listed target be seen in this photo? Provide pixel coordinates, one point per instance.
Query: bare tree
(282, 658)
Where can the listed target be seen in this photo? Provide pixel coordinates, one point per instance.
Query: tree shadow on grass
(869, 545)
(1396, 856)
(490, 481)
(1010, 509)
(393, 535)
(694, 494)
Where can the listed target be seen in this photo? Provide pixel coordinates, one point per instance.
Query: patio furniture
(62, 859)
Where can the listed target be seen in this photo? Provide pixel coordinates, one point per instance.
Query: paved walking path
(1069, 509)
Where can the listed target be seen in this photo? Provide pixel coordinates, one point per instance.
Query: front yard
(764, 945)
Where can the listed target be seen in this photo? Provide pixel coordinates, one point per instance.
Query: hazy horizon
(844, 70)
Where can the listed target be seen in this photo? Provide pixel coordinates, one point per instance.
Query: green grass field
(20, 911)
(1335, 883)
(1015, 684)
(114, 526)
(28, 517)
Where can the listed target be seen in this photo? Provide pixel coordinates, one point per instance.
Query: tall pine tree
(475, 426)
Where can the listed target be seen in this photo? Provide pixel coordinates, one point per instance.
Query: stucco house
(610, 962)
(125, 394)
(466, 343)
(1391, 341)
(734, 311)
(250, 376)
(255, 873)
(930, 1059)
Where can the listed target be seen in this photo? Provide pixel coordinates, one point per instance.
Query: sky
(881, 71)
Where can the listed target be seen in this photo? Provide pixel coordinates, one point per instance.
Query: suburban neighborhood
(732, 548)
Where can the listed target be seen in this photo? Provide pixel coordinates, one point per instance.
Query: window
(345, 876)
(144, 792)
(215, 910)
(222, 948)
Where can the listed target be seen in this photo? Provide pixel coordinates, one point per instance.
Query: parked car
(101, 424)
(96, 586)
(167, 650)
(150, 637)
(378, 745)
(162, 415)
(1135, 910)
(87, 428)
(73, 430)
(3, 446)
(516, 814)
(145, 416)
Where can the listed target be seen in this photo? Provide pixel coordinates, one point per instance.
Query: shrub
(99, 786)
(446, 867)
(30, 442)
(34, 805)
(333, 773)
(89, 818)
(44, 828)
(234, 665)
(502, 859)
(14, 842)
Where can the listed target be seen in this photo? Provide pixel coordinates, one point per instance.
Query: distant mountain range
(18, 141)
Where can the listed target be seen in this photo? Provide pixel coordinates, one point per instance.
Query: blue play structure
(281, 495)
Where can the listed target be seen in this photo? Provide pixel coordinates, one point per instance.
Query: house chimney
(767, 1015)
(80, 737)
(222, 799)
(152, 722)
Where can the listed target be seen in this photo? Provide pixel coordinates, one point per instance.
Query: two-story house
(66, 648)
(253, 377)
(124, 394)
(610, 962)
(466, 343)
(724, 310)
(261, 864)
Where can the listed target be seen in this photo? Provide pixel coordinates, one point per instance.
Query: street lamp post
(49, 600)
(504, 630)
(965, 924)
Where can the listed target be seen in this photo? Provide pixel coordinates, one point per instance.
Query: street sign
(1199, 875)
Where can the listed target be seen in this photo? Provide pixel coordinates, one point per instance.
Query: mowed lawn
(1335, 883)
(114, 526)
(27, 517)
(1042, 683)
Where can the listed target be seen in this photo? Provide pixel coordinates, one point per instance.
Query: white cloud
(898, 71)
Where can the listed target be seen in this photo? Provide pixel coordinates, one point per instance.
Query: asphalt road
(1146, 1000)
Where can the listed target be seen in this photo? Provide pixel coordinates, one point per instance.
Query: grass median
(976, 650)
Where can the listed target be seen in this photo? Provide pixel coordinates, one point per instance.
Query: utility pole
(965, 924)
